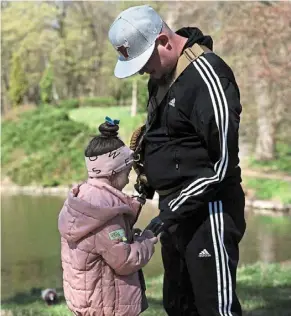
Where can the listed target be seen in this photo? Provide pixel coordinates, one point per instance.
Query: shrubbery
(97, 101)
(44, 147)
(87, 102)
(69, 103)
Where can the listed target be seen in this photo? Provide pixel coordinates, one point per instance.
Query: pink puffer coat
(100, 261)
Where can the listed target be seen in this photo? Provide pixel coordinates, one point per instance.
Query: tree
(18, 81)
(263, 35)
(254, 38)
(46, 85)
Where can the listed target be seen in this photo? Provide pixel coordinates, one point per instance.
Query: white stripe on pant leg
(219, 230)
(211, 216)
(227, 260)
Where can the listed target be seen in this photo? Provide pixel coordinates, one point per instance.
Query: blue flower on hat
(111, 121)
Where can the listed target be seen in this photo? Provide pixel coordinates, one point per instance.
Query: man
(190, 150)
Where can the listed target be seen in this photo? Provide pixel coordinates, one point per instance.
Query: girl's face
(120, 180)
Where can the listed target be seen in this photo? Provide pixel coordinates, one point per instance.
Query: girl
(101, 258)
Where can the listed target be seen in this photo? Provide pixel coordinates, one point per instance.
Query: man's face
(160, 62)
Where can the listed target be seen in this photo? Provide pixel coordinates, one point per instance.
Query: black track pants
(200, 267)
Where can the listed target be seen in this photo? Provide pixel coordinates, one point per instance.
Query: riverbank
(264, 289)
(268, 207)
(47, 154)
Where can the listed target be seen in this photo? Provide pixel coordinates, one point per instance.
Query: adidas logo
(172, 102)
(204, 253)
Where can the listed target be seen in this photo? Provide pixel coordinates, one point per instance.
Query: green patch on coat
(117, 234)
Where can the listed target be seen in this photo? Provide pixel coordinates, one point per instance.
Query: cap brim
(126, 68)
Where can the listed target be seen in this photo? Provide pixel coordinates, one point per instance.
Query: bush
(69, 103)
(98, 101)
(44, 147)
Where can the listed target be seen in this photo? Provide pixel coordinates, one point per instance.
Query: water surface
(31, 242)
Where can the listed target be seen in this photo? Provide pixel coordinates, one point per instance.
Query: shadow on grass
(29, 297)
(265, 301)
(155, 303)
(256, 300)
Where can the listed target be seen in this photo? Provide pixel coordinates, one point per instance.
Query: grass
(282, 163)
(93, 117)
(269, 189)
(264, 290)
(271, 179)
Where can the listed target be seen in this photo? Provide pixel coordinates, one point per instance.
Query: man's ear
(163, 40)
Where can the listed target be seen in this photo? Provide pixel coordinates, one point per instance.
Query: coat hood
(194, 35)
(94, 204)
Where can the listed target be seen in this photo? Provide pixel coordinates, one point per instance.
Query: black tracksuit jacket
(193, 137)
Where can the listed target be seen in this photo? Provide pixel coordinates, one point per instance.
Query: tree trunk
(266, 125)
(134, 98)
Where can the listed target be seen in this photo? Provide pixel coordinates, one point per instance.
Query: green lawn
(93, 117)
(282, 162)
(270, 189)
(264, 290)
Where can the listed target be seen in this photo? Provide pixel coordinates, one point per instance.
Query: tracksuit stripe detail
(219, 229)
(204, 181)
(230, 293)
(224, 281)
(216, 92)
(216, 258)
(225, 104)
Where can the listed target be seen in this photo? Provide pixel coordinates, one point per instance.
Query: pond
(31, 243)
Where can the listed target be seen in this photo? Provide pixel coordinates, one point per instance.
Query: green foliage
(46, 85)
(142, 93)
(96, 116)
(121, 90)
(270, 189)
(44, 147)
(18, 80)
(281, 163)
(98, 101)
(69, 103)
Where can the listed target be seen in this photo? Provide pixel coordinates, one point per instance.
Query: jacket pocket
(177, 160)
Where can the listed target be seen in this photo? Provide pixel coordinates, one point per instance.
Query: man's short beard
(164, 78)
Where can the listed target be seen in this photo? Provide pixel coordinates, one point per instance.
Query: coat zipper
(177, 162)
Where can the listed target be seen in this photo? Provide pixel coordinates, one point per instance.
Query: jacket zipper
(177, 162)
(167, 115)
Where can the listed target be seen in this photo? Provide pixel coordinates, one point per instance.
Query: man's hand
(156, 226)
(143, 188)
(137, 231)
